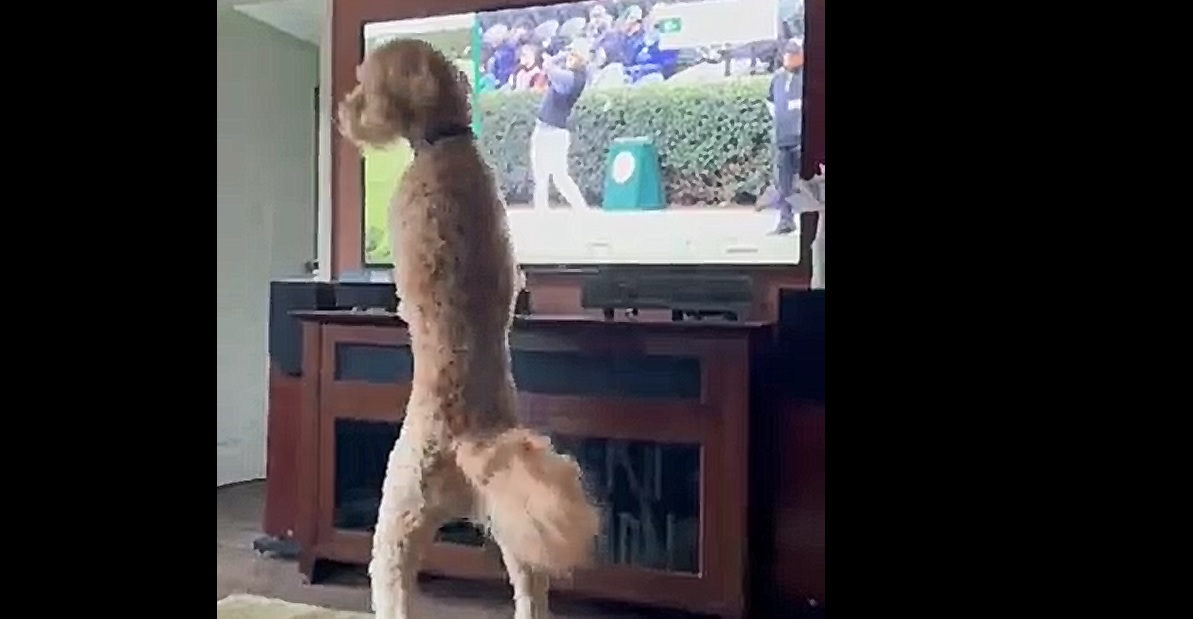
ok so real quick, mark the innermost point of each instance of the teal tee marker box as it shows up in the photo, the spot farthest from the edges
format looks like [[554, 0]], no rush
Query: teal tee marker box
[[633, 176]]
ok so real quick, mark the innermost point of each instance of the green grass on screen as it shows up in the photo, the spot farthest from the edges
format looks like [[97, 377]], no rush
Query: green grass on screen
[[383, 168]]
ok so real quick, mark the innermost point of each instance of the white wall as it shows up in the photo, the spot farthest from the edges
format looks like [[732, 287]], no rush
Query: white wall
[[265, 216], [326, 97]]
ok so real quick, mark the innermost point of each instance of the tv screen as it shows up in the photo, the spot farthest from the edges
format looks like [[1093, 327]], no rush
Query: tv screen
[[626, 132]]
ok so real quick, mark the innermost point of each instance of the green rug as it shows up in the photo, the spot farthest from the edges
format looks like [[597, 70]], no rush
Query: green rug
[[242, 606]]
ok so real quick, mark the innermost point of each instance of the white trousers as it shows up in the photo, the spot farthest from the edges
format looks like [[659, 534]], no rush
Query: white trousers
[[549, 162]]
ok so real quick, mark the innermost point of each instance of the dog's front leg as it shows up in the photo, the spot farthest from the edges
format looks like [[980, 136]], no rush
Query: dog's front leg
[[530, 588], [406, 525], [400, 308]]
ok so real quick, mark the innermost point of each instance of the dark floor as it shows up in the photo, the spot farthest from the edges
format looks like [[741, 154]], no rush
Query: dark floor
[[239, 569]]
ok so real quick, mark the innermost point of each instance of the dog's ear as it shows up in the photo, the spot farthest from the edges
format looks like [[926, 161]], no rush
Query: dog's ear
[[417, 84], [363, 122], [405, 87], [465, 83]]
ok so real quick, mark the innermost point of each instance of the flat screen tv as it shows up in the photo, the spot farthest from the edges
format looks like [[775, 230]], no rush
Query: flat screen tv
[[625, 132]]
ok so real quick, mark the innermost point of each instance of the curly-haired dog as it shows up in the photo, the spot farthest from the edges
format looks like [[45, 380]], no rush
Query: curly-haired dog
[[460, 452]]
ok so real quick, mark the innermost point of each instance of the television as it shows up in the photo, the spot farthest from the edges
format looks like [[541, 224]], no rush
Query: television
[[644, 133]]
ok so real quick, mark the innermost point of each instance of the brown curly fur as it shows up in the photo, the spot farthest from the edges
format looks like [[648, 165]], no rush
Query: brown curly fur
[[460, 452]]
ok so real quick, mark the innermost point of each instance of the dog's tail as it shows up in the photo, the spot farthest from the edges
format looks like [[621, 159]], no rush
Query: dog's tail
[[533, 496]]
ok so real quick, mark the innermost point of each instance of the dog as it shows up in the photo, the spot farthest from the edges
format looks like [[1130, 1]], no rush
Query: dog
[[461, 452]]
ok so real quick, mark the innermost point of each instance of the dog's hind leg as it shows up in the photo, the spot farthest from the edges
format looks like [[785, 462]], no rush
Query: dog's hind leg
[[530, 588], [406, 526]]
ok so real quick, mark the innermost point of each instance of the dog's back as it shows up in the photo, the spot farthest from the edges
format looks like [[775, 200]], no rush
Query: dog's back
[[452, 244], [456, 272]]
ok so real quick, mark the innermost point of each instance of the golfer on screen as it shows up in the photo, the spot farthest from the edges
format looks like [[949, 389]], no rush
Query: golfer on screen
[[566, 78]]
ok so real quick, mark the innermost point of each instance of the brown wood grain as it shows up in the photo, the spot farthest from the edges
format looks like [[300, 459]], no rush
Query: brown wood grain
[[800, 511], [307, 512], [281, 453]]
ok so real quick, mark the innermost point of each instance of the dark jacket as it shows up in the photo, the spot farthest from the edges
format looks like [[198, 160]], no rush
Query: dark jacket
[[564, 88], [789, 122]]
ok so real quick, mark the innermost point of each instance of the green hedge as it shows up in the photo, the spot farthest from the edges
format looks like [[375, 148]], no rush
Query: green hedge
[[713, 138]]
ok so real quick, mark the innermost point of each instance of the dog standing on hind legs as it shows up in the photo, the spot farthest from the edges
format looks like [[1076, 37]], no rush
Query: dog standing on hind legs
[[460, 453]]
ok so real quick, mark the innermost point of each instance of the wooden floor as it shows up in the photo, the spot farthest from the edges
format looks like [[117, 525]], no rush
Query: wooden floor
[[239, 569]]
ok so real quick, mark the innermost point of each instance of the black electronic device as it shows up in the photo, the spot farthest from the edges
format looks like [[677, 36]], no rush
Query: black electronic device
[[365, 295], [800, 350], [522, 303], [285, 331], [689, 294], [381, 295]]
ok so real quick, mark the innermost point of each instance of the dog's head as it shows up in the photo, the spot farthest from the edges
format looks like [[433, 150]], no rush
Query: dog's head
[[404, 89]]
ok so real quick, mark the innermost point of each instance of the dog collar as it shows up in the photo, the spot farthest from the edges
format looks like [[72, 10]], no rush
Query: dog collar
[[442, 133]]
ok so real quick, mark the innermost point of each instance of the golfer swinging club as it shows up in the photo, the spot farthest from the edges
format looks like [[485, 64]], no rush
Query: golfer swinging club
[[566, 78]]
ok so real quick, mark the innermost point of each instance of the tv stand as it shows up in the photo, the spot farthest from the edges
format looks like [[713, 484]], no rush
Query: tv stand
[[655, 412]]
